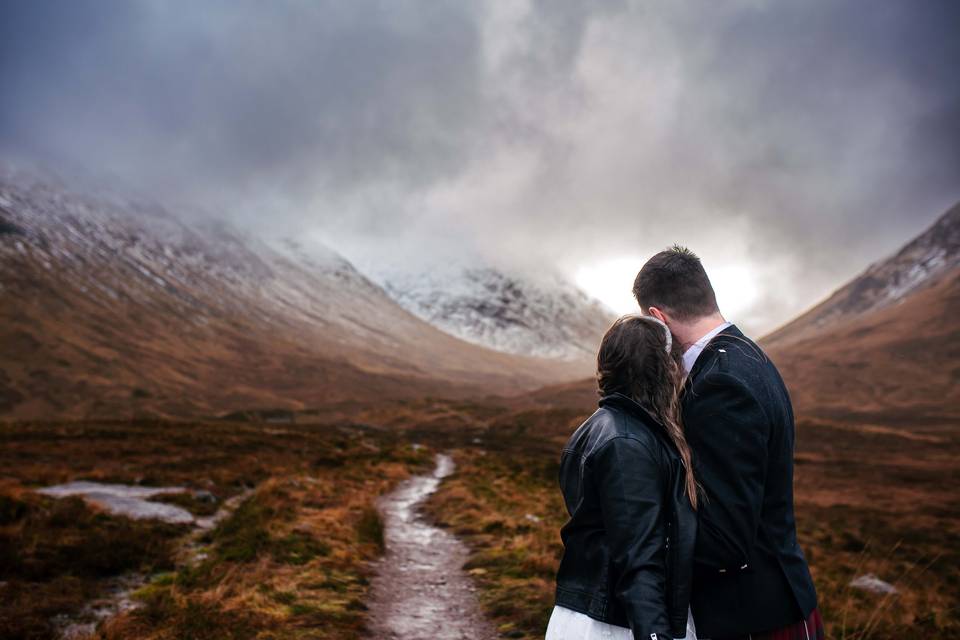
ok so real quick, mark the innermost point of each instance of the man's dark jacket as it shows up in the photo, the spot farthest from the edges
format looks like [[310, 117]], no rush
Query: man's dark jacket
[[749, 572], [628, 545]]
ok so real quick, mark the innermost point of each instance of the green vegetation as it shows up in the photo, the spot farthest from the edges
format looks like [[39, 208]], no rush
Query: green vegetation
[[54, 552], [864, 505], [370, 528], [510, 514], [191, 503], [291, 561]]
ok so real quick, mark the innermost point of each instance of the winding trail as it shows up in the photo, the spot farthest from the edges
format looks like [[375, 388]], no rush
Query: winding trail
[[420, 591]]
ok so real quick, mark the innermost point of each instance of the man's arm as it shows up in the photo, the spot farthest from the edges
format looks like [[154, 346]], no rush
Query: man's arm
[[728, 431]]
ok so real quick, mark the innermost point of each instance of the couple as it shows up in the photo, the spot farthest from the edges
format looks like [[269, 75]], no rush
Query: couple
[[680, 486]]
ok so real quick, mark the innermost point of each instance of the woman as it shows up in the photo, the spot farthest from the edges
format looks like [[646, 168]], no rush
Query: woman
[[628, 485]]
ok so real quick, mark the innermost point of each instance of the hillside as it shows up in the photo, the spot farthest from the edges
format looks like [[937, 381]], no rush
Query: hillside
[[114, 307], [886, 344], [920, 264]]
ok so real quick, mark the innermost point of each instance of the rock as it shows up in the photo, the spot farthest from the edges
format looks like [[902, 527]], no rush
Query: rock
[[205, 496], [870, 582]]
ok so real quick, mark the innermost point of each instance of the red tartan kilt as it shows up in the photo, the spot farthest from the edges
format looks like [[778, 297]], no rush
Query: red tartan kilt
[[809, 629]]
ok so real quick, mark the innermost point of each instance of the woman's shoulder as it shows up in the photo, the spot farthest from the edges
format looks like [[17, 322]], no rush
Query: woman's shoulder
[[610, 425]]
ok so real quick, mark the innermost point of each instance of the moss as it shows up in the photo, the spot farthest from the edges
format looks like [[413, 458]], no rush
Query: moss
[[298, 548], [370, 528], [163, 579], [197, 576], [284, 597], [301, 609], [65, 537], [190, 502], [242, 536], [12, 509], [206, 621]]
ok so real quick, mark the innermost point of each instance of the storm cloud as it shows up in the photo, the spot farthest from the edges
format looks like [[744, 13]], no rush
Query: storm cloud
[[797, 141]]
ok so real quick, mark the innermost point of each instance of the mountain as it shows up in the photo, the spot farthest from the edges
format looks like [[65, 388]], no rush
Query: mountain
[[546, 316], [918, 265], [111, 307], [887, 344]]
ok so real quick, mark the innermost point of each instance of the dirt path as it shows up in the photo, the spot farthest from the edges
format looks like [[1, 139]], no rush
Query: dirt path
[[420, 591]]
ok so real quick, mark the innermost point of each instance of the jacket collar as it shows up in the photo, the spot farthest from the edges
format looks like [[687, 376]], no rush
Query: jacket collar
[[635, 409], [629, 405], [708, 352]]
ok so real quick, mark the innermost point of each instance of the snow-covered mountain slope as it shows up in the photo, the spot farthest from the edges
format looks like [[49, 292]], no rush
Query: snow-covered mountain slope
[[920, 264], [112, 306], [507, 311]]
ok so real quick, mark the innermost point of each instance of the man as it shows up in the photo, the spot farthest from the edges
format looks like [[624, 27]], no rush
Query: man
[[751, 579]]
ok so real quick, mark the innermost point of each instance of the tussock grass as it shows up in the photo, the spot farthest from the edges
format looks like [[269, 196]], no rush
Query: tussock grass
[[190, 502], [862, 507], [292, 561], [54, 552], [510, 515], [280, 565]]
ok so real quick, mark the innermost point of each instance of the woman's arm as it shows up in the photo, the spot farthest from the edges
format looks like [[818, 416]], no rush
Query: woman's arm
[[628, 479]]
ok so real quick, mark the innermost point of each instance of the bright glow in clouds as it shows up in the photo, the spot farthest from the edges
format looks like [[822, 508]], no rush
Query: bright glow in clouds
[[737, 290], [611, 283]]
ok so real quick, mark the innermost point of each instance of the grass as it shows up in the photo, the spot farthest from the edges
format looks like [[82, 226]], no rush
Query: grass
[[511, 516], [53, 553], [291, 561], [867, 502], [189, 501]]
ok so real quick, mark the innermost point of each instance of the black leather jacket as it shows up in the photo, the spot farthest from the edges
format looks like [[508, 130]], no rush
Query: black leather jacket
[[628, 545]]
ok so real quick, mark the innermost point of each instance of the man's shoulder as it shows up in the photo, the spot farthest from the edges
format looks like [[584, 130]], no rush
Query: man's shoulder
[[731, 353], [734, 360]]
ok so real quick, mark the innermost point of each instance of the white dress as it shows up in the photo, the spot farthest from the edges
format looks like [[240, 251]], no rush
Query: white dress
[[567, 624]]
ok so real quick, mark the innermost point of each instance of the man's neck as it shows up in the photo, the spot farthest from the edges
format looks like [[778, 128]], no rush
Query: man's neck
[[693, 331]]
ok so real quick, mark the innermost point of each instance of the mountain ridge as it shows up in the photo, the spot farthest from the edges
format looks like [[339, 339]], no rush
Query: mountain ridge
[[505, 310], [119, 309], [886, 282]]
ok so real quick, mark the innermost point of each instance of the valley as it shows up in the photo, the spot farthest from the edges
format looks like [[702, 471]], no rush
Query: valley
[[297, 556], [289, 411]]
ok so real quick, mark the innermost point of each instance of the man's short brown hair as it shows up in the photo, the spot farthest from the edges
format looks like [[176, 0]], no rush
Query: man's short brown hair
[[675, 281]]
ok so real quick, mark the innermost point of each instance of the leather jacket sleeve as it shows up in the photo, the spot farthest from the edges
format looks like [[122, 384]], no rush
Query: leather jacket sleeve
[[728, 432], [629, 482]]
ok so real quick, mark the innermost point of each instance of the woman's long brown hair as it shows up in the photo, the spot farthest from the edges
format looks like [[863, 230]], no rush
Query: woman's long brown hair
[[633, 360]]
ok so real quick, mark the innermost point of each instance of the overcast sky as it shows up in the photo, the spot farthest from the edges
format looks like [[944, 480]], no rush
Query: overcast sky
[[789, 143]]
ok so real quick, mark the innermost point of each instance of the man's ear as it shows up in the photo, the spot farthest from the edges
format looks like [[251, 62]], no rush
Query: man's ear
[[658, 314]]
